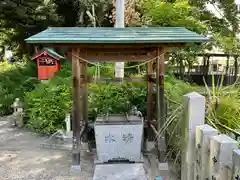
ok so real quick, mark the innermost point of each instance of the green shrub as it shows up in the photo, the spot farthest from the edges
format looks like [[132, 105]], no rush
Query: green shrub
[[48, 103], [116, 98], [223, 106], [15, 80]]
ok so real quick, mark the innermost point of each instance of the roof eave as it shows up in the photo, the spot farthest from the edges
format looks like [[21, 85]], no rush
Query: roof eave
[[113, 42]]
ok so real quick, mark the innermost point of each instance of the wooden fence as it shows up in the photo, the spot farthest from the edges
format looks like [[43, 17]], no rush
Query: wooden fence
[[206, 153]]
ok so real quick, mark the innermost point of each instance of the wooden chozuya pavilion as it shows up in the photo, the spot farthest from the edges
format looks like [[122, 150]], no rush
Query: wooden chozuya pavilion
[[115, 45]]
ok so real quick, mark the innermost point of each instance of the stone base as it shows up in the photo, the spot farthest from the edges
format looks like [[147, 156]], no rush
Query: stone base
[[120, 172], [64, 147], [163, 169], [69, 134], [75, 168], [150, 145], [85, 147], [59, 141], [97, 161]]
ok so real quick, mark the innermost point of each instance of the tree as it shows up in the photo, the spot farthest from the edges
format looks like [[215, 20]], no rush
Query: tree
[[176, 13], [74, 12], [28, 18], [172, 13]]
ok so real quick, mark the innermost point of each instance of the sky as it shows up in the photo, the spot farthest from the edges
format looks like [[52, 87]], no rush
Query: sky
[[214, 10], [218, 13]]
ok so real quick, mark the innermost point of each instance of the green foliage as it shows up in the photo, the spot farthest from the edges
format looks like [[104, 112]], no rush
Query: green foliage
[[32, 16], [223, 105], [228, 44], [174, 14], [179, 13], [116, 98], [175, 88], [28, 18], [47, 105], [15, 80]]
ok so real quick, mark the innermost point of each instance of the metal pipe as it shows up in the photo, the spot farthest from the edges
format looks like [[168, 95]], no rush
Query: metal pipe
[[120, 9]]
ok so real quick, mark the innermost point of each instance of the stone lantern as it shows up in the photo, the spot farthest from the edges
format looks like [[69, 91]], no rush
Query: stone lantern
[[17, 113]]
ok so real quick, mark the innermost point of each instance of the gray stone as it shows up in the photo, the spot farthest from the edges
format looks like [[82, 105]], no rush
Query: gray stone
[[236, 163], [119, 172], [75, 168], [203, 134], [193, 116], [221, 153], [118, 137], [163, 169]]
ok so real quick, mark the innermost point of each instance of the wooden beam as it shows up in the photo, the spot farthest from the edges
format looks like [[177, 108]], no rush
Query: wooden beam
[[118, 58], [120, 50], [116, 46], [76, 108], [125, 79], [216, 54]]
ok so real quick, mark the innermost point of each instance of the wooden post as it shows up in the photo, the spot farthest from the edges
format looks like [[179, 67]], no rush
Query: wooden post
[[221, 153], [160, 104], [76, 109], [204, 61], [203, 134], [207, 70], [208, 64], [84, 101], [235, 68], [193, 116], [227, 72], [150, 101], [182, 69], [36, 49]]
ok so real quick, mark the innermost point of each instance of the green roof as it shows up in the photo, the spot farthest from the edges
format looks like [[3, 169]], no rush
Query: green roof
[[52, 52], [117, 35]]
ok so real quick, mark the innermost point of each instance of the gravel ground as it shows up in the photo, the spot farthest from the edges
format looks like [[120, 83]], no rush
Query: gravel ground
[[21, 158]]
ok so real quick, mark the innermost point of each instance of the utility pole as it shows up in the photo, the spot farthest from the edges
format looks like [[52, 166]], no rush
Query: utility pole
[[237, 2], [120, 8]]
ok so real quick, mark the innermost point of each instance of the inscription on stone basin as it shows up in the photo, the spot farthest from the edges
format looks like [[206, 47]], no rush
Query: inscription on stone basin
[[127, 138], [114, 141]]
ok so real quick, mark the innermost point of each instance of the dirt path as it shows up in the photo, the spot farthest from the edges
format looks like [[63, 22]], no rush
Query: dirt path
[[22, 158]]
